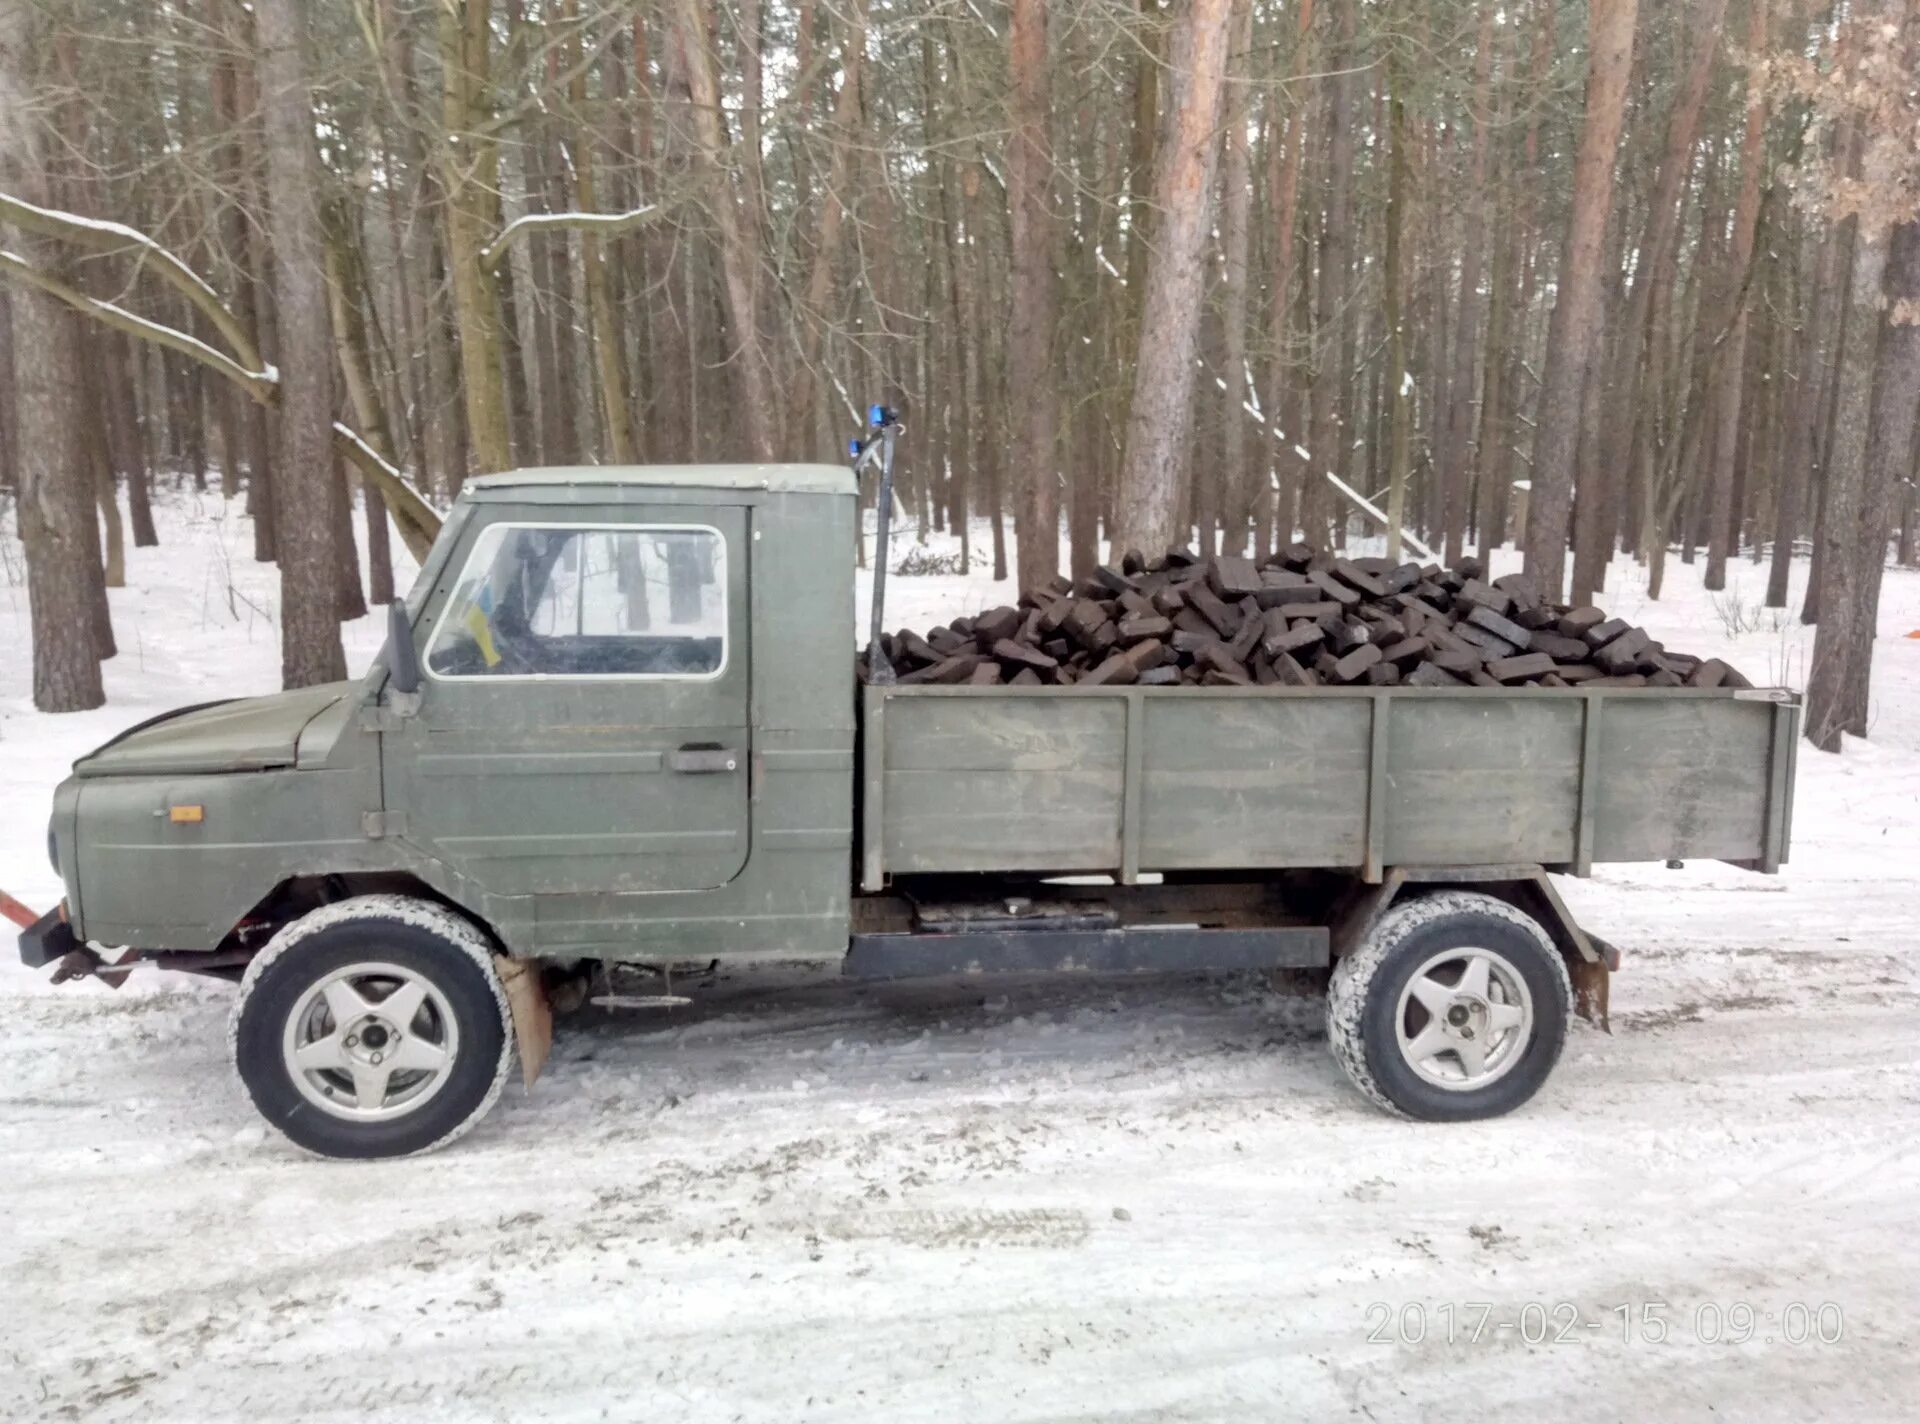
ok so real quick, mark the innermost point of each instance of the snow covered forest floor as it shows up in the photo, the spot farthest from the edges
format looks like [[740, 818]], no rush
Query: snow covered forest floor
[[1035, 1201]]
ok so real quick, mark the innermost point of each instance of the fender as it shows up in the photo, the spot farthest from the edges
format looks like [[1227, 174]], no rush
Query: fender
[[1590, 959]]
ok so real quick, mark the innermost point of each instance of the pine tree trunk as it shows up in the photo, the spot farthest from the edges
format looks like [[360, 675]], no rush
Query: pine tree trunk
[[349, 599], [1910, 509], [1490, 443], [436, 418], [1847, 490], [1399, 440], [1773, 358], [662, 435], [1889, 459], [1576, 308], [739, 235], [1142, 131], [470, 175], [960, 442], [163, 414], [812, 316], [115, 569], [310, 650], [608, 353], [561, 439], [556, 421], [1653, 273], [1803, 418], [348, 298], [1428, 303], [99, 606], [1453, 480], [98, 454], [1327, 437], [1527, 252], [1160, 418], [1733, 360], [1034, 303], [1847, 158], [1596, 517], [1238, 487], [513, 277], [236, 160], [55, 492], [1283, 185], [133, 439], [1595, 520], [989, 388], [1098, 169], [9, 482]]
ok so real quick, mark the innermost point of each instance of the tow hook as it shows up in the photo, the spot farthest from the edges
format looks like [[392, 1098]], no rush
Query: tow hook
[[84, 963]]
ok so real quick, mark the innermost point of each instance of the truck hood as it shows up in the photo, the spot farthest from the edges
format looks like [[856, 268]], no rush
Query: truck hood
[[249, 734]]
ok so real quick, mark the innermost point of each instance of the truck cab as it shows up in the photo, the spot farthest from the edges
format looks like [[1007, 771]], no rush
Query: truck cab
[[633, 734]]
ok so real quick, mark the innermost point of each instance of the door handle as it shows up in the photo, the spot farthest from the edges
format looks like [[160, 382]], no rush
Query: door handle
[[703, 760]]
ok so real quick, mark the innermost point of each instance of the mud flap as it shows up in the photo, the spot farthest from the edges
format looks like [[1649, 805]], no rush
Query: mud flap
[[1592, 979], [531, 1013]]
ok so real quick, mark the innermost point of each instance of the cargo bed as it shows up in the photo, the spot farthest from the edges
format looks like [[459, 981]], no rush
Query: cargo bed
[[1137, 780]]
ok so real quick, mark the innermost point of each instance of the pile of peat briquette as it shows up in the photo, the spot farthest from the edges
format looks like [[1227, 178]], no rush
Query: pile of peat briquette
[[1299, 618]]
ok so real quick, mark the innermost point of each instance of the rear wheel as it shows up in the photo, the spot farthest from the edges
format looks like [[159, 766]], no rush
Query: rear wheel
[[1455, 1007], [374, 1027]]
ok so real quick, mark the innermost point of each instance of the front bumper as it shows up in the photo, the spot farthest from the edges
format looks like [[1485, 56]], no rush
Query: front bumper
[[46, 941]]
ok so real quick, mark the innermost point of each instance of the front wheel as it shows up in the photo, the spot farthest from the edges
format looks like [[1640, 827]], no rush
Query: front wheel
[[373, 1027], [1454, 1008]]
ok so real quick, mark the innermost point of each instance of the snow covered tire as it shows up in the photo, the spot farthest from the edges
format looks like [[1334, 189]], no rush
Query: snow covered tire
[[373, 1027], [1368, 1006]]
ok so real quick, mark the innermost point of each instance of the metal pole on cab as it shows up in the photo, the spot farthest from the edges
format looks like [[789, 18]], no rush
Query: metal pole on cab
[[883, 429]]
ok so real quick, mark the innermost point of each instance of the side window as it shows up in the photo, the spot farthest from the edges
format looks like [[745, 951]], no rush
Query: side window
[[569, 601]]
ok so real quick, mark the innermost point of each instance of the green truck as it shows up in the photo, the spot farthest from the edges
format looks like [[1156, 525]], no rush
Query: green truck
[[617, 722]]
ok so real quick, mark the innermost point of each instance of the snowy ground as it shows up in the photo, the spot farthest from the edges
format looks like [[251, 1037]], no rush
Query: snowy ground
[[1153, 1200]]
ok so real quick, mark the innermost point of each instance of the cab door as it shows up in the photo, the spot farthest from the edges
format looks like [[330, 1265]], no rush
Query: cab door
[[583, 722]]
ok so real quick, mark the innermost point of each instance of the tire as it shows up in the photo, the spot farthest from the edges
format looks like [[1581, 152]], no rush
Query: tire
[[320, 1017], [1420, 1062]]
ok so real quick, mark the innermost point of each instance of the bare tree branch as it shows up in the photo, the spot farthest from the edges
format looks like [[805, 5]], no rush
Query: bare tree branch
[[118, 237], [258, 384], [418, 522], [602, 224]]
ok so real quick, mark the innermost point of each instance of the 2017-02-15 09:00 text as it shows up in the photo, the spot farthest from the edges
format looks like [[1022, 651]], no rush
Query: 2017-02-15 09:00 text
[[1651, 1322]]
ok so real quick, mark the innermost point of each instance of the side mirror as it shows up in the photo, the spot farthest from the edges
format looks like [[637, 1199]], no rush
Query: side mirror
[[403, 660]]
